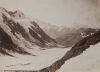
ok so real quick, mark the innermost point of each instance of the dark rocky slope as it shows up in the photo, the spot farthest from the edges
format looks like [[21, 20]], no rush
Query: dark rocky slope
[[7, 45]]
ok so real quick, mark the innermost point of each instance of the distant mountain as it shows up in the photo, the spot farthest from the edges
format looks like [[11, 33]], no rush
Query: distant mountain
[[53, 30], [66, 36], [75, 35], [18, 33]]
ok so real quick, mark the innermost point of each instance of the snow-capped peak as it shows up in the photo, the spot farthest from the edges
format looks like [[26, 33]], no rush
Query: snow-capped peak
[[17, 14], [2, 9]]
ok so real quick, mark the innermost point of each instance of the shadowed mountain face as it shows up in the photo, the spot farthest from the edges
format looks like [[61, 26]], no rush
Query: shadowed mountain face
[[7, 45], [17, 34]]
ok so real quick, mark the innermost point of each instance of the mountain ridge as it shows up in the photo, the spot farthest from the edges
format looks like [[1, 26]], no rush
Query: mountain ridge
[[19, 35]]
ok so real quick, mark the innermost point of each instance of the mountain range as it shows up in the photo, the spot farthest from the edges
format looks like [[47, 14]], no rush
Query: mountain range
[[18, 33], [66, 36]]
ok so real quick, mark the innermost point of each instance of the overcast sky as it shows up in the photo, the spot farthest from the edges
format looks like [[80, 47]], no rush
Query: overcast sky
[[72, 13]]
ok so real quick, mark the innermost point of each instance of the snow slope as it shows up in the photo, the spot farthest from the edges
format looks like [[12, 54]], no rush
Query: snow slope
[[88, 61], [43, 58]]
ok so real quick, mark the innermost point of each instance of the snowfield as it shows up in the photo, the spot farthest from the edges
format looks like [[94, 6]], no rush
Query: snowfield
[[88, 61], [42, 59]]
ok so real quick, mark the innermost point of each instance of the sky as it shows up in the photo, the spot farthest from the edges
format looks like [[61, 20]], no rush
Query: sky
[[70, 13]]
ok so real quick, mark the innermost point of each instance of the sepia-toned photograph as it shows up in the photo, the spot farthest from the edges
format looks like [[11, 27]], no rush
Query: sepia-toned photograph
[[49, 35]]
